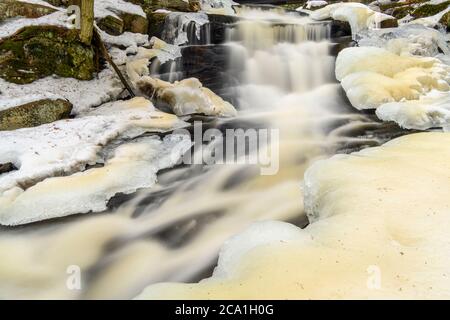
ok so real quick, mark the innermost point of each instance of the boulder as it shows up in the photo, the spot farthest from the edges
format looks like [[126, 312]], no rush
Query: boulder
[[14, 8], [389, 23], [156, 22], [34, 114], [116, 25], [35, 52]]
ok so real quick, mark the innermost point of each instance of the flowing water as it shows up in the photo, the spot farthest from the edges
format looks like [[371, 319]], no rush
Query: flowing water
[[172, 232]]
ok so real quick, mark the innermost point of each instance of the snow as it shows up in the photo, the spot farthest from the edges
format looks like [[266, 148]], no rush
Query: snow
[[82, 94], [224, 7], [430, 111], [379, 230], [315, 3], [103, 8], [58, 18], [66, 146], [132, 166], [359, 16], [372, 77], [186, 97]]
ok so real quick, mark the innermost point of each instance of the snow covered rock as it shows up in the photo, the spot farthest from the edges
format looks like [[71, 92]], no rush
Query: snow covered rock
[[130, 167], [359, 16], [15, 8], [65, 147], [408, 89], [186, 97]]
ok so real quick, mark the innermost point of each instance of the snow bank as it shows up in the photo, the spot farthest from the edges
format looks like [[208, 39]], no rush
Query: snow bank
[[133, 166], [82, 94], [67, 146], [358, 15], [379, 230], [372, 77]]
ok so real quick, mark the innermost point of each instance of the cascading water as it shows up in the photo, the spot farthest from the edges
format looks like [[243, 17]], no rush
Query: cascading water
[[173, 231]]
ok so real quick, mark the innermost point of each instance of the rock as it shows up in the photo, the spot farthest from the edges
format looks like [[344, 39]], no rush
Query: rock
[[134, 23], [445, 20], [429, 9], [34, 114], [116, 25], [14, 8], [35, 52], [111, 25], [218, 24], [389, 23], [149, 6], [340, 29], [156, 24], [7, 167]]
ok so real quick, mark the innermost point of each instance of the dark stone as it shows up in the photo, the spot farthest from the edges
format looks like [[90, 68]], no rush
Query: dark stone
[[218, 24], [156, 24], [340, 29], [7, 167]]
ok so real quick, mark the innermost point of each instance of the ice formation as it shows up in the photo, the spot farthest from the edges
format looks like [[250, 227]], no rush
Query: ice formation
[[186, 97], [68, 146], [134, 165], [315, 3], [375, 77], [177, 23], [358, 15], [103, 8], [379, 229], [218, 6]]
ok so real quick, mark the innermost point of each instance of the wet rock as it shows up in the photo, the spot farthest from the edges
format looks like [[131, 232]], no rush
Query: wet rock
[[14, 8], [340, 29], [35, 52], [34, 114], [389, 23], [210, 65], [156, 24], [111, 25], [218, 24], [7, 167]]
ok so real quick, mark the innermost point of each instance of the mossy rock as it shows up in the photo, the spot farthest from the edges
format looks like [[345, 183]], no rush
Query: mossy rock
[[34, 114], [445, 20], [14, 8], [35, 52], [428, 10], [116, 25], [389, 23]]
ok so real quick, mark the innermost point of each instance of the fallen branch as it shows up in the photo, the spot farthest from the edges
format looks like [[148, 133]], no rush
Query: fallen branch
[[106, 55]]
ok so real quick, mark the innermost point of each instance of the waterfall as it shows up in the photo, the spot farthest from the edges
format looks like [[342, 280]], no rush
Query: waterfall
[[173, 231]]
